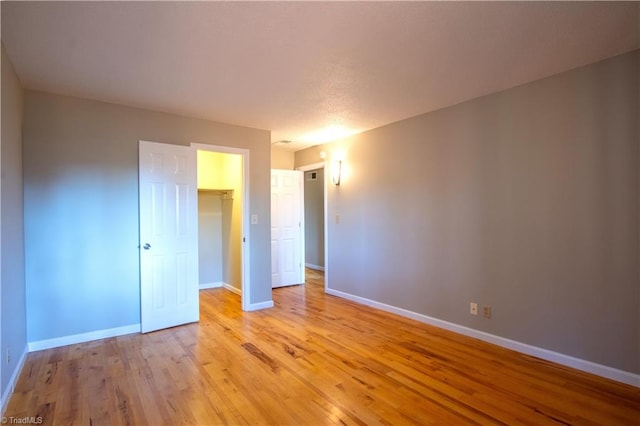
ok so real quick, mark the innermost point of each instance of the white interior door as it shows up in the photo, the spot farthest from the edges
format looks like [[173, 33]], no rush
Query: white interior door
[[168, 236], [287, 241]]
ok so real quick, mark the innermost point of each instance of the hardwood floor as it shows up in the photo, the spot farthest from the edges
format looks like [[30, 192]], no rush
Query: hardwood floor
[[312, 359]]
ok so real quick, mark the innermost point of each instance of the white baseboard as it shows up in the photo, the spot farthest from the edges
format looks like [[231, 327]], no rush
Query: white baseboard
[[221, 284], [258, 306], [83, 337], [232, 288], [211, 285], [569, 361], [11, 385], [312, 266]]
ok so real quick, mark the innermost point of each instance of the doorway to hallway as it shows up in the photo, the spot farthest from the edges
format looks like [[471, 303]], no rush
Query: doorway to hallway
[[315, 190]]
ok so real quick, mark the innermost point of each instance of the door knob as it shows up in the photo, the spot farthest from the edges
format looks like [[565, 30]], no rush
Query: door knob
[[147, 246]]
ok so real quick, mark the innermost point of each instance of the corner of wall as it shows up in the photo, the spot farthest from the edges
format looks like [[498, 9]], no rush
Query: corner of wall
[[282, 159], [309, 155], [13, 337], [13, 380]]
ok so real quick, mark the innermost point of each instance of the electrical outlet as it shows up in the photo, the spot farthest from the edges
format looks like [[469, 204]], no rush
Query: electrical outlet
[[8, 356], [473, 308], [337, 219], [486, 311]]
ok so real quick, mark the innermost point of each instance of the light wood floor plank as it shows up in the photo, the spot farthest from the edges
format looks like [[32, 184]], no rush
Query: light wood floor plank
[[313, 359]]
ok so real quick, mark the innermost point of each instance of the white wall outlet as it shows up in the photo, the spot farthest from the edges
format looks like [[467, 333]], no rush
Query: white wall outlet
[[8, 356], [486, 311], [254, 219], [473, 308], [337, 218]]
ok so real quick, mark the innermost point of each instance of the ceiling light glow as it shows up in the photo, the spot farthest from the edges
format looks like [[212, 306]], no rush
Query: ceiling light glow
[[328, 134]]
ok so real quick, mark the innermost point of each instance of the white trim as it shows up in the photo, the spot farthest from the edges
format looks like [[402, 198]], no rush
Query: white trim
[[221, 284], [326, 229], [312, 266], [232, 288], [83, 337], [219, 148], [246, 219], [566, 360], [301, 225], [261, 305], [11, 385], [211, 285]]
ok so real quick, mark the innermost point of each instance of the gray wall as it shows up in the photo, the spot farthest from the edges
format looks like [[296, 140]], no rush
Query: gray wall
[[13, 318], [314, 219], [525, 200], [81, 208], [209, 237]]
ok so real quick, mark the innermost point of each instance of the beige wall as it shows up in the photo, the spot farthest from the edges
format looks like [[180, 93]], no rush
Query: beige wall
[[13, 325], [81, 208], [281, 159], [310, 155], [525, 200]]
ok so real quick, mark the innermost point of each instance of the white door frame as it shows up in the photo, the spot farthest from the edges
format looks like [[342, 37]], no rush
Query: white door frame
[[315, 166], [246, 218]]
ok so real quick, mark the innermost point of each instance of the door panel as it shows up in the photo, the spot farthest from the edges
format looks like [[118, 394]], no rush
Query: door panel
[[287, 242], [168, 236]]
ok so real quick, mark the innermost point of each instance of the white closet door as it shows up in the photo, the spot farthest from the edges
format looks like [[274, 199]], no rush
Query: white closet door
[[287, 243], [168, 236]]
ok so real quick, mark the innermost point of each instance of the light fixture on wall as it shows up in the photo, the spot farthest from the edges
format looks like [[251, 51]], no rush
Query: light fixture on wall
[[336, 172]]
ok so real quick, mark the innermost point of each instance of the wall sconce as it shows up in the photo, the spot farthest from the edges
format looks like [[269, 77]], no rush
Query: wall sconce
[[336, 172]]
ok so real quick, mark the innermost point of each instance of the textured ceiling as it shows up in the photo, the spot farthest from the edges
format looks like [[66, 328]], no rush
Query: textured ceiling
[[308, 71]]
